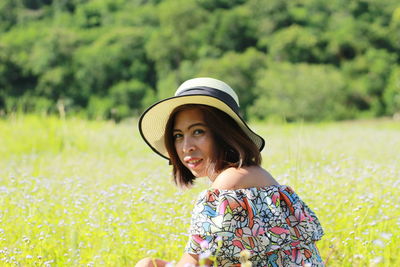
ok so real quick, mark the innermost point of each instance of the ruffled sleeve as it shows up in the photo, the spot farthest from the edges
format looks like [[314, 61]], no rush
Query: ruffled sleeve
[[261, 220]]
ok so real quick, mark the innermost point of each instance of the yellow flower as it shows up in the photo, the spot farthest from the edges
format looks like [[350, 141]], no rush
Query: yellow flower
[[244, 258]]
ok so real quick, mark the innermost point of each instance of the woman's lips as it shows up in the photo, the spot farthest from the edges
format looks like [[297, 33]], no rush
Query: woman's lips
[[192, 163]]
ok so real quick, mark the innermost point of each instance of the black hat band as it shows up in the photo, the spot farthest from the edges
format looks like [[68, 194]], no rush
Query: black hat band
[[209, 91]]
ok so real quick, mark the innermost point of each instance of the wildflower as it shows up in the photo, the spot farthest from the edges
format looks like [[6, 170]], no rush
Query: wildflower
[[379, 243], [244, 258], [48, 263], [219, 242], [205, 255], [204, 244], [245, 254], [386, 235], [377, 260]]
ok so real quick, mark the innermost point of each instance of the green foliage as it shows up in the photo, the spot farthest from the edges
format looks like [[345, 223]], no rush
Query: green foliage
[[97, 13], [215, 4], [99, 107], [28, 104], [294, 44], [166, 86], [8, 14], [344, 39], [300, 92], [394, 29], [117, 55], [127, 98], [176, 39], [131, 97], [367, 77], [240, 70], [232, 29], [79, 51], [392, 92]]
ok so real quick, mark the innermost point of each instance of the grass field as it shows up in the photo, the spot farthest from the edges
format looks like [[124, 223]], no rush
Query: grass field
[[79, 193]]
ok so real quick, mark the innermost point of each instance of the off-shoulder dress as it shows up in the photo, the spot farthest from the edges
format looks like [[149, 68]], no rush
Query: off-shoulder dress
[[272, 223]]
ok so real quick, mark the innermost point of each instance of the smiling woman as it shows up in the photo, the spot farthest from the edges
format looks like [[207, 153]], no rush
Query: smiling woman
[[222, 151], [193, 142], [202, 134]]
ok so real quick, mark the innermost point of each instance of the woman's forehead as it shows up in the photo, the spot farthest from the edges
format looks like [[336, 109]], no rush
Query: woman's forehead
[[187, 117]]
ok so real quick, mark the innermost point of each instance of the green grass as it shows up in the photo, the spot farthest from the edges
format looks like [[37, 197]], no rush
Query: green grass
[[79, 193]]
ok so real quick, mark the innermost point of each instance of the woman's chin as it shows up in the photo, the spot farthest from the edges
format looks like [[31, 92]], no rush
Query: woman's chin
[[198, 175]]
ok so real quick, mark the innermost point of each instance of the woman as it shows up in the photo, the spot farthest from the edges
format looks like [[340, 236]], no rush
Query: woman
[[201, 133]]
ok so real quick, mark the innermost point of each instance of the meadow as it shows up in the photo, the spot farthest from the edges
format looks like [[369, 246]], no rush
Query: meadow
[[91, 193]]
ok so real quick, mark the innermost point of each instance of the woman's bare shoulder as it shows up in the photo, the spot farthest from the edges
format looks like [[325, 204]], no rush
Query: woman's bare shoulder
[[245, 177]]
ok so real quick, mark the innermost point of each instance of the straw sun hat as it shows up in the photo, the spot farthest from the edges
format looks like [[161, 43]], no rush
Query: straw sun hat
[[204, 91]]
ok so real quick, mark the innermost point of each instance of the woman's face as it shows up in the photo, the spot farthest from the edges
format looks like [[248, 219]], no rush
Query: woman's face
[[193, 141]]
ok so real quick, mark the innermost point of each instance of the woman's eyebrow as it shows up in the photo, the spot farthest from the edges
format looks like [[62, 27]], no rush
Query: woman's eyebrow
[[190, 126], [196, 124]]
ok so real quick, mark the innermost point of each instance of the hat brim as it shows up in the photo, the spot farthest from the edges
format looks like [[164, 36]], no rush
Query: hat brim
[[153, 121]]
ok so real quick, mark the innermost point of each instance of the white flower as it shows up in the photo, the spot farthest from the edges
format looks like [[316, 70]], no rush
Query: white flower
[[205, 255], [204, 244], [377, 260], [379, 243]]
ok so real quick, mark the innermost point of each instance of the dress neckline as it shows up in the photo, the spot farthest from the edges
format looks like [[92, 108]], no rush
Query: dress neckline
[[257, 188]]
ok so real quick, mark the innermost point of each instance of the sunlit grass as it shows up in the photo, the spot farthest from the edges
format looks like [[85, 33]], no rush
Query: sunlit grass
[[74, 192]]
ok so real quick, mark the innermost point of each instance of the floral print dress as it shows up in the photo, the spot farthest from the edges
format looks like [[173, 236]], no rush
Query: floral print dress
[[272, 223]]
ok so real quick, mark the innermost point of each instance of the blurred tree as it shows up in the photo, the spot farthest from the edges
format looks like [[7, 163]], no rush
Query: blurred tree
[[117, 55], [166, 85], [35, 4], [215, 4], [367, 77], [302, 91], [77, 51], [127, 98], [392, 93], [99, 108], [51, 61], [130, 98], [176, 39], [96, 13], [146, 17], [8, 14], [294, 44], [67, 5], [344, 39], [270, 15], [238, 70], [394, 30], [16, 76], [232, 29]]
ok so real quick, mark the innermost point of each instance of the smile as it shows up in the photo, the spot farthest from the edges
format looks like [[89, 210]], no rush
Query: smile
[[193, 163]]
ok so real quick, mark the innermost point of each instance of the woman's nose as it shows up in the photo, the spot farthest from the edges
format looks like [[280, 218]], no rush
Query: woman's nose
[[188, 145]]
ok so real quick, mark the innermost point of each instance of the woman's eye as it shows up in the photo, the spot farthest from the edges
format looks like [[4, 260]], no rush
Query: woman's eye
[[198, 131], [177, 136]]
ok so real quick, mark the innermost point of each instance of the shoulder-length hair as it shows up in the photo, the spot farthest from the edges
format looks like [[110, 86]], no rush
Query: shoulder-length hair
[[233, 148]]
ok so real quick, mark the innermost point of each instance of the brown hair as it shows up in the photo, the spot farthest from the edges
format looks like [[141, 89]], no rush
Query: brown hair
[[232, 150]]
